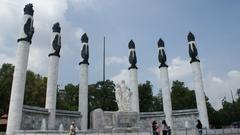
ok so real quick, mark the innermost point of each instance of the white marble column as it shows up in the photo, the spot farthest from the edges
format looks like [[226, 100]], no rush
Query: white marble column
[[164, 84], [198, 82], [51, 95], [133, 78], [133, 85], [166, 95], [200, 96], [83, 84], [19, 76]]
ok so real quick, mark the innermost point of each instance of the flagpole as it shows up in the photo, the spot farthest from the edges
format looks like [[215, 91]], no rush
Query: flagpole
[[104, 58]]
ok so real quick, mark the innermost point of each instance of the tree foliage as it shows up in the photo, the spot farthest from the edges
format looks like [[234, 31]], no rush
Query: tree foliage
[[102, 95], [6, 76], [182, 97]]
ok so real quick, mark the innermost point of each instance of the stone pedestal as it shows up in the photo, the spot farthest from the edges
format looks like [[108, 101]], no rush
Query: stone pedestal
[[166, 95], [126, 119], [96, 119], [199, 92], [83, 95]]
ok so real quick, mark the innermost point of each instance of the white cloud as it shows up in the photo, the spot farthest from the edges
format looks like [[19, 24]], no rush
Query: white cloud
[[178, 69], [117, 60], [216, 80], [123, 75], [216, 88]]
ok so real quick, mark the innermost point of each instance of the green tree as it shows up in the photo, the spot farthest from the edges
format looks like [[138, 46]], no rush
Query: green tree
[[157, 104], [102, 95], [182, 97], [145, 97], [67, 99], [6, 77], [35, 88]]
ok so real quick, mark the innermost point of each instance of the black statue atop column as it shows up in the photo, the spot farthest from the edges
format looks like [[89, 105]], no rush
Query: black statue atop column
[[85, 49], [193, 53], [161, 54], [28, 26], [132, 55], [56, 43]]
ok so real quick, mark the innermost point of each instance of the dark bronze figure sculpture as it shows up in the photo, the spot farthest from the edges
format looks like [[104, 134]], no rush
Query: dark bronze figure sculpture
[[28, 26], [132, 55], [161, 54], [56, 43], [85, 49], [192, 49]]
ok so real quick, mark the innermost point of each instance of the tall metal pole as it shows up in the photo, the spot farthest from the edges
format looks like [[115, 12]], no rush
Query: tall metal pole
[[104, 59], [232, 97]]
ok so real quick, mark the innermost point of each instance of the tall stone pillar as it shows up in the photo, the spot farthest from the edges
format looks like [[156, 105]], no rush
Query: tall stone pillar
[[198, 82], [83, 85], [51, 95], [164, 82], [19, 76], [133, 79]]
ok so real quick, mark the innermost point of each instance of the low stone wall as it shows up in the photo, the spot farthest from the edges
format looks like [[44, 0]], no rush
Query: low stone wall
[[32, 117], [107, 119], [66, 118], [36, 118]]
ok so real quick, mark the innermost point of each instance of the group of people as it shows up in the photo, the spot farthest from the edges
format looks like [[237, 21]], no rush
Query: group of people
[[166, 130]]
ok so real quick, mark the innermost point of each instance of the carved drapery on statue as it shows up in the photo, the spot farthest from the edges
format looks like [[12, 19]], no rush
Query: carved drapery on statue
[[193, 53], [85, 49], [56, 43], [162, 58], [28, 24], [132, 55], [123, 97]]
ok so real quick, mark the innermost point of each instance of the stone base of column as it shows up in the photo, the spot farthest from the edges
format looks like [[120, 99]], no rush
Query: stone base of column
[[133, 85], [83, 96]]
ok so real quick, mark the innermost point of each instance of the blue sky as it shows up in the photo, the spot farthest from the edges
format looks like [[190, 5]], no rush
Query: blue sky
[[214, 23]]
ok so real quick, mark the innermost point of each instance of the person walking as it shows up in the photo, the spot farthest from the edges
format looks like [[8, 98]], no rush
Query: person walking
[[164, 127], [155, 128], [199, 127]]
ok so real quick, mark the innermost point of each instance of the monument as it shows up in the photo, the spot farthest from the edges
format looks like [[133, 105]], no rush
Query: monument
[[198, 82], [19, 76], [83, 84], [128, 117], [51, 95], [164, 83]]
